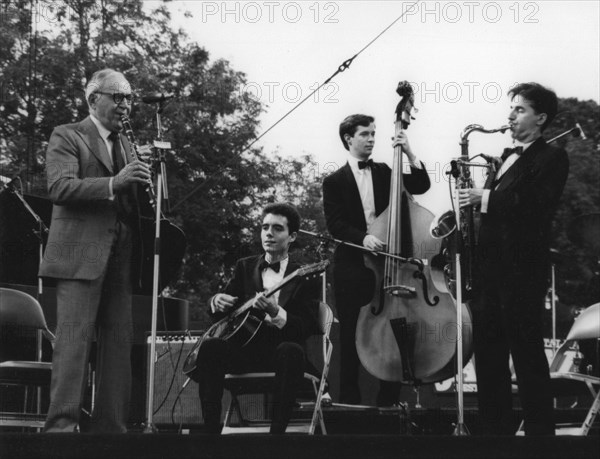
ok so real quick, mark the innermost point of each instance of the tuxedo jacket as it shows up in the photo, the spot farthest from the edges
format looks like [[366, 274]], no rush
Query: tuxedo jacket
[[514, 237], [300, 298], [82, 229], [344, 212]]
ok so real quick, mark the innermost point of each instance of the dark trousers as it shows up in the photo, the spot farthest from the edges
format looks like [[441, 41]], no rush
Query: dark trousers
[[350, 295], [217, 357], [86, 309], [507, 320]]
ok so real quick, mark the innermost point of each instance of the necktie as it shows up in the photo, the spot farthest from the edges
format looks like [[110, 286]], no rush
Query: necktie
[[363, 164], [509, 151], [124, 200], [117, 155], [265, 264]]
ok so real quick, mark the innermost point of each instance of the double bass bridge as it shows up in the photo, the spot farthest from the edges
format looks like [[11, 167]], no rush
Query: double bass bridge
[[401, 291]]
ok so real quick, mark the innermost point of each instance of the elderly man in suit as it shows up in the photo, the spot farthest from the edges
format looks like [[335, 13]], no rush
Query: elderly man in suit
[[517, 207], [353, 197], [290, 316], [91, 181]]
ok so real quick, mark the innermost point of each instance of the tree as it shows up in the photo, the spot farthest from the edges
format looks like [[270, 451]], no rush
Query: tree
[[578, 273], [216, 184]]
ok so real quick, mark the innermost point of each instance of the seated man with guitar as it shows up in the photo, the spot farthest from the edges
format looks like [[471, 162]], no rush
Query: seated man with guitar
[[277, 322]]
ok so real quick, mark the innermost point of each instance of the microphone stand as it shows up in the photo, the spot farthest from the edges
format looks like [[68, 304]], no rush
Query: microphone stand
[[461, 428], [161, 190], [414, 261]]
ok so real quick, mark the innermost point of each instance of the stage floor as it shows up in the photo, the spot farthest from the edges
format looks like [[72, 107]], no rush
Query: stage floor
[[164, 446], [352, 433]]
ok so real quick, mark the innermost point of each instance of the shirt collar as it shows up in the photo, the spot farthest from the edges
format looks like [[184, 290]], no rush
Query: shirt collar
[[525, 146], [282, 261], [354, 164], [104, 133]]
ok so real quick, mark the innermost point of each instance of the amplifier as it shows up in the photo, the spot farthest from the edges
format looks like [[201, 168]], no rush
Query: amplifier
[[175, 405]]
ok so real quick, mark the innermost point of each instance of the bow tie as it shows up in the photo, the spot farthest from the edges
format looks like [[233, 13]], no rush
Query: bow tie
[[265, 264], [509, 151], [363, 164]]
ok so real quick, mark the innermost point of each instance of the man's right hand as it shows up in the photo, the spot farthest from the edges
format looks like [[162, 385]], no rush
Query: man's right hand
[[372, 243], [134, 172], [223, 302]]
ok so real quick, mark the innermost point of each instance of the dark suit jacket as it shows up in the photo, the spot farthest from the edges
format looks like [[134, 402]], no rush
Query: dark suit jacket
[[299, 297], [82, 230], [344, 211], [514, 236]]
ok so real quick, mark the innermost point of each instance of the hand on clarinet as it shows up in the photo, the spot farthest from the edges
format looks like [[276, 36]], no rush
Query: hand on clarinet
[[134, 172]]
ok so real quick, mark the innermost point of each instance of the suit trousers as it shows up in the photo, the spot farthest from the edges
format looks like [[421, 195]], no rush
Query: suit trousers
[[507, 320], [216, 357], [350, 295], [99, 308]]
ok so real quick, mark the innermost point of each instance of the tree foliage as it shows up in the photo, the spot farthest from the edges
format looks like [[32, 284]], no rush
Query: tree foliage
[[216, 185], [577, 273]]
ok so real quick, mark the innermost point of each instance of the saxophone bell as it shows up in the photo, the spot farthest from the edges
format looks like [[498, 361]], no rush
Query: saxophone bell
[[443, 225]]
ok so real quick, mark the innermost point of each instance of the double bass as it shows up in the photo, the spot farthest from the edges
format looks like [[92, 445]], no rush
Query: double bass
[[408, 332]]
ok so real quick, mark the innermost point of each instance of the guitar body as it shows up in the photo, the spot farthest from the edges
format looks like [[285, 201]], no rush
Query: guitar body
[[239, 329]]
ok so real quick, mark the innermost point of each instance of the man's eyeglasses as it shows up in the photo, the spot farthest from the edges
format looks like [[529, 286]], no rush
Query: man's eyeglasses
[[118, 97]]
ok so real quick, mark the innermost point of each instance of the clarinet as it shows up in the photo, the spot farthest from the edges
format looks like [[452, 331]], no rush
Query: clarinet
[[136, 155]]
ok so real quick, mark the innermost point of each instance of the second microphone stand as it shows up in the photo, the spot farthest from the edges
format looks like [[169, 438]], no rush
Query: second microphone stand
[[161, 190]]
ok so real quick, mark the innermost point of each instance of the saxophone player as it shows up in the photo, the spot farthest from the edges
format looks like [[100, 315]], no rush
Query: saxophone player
[[517, 207], [91, 180]]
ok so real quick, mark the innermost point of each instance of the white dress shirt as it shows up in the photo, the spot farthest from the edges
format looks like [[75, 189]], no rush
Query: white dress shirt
[[270, 279], [104, 133], [506, 165], [364, 181]]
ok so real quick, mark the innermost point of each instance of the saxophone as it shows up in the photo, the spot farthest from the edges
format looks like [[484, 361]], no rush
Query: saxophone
[[136, 155], [445, 225]]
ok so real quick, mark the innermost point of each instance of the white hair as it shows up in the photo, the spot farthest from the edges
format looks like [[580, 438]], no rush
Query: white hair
[[96, 81]]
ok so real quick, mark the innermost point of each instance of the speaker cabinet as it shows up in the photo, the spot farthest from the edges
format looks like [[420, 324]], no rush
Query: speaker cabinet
[[174, 405]]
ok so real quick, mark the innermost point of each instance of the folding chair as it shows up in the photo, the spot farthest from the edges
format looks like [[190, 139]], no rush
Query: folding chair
[[306, 417], [22, 313], [566, 382]]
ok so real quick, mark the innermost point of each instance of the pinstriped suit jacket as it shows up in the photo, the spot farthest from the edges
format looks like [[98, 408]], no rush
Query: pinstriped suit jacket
[[82, 229]]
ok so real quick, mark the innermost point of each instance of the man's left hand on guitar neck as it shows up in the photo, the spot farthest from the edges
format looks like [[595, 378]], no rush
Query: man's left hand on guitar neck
[[268, 305], [276, 315]]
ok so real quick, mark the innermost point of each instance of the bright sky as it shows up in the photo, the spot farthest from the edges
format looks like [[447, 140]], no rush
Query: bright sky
[[461, 58]]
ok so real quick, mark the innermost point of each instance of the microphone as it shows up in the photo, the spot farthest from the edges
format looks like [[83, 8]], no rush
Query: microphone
[[156, 97], [454, 172], [494, 161], [583, 137]]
